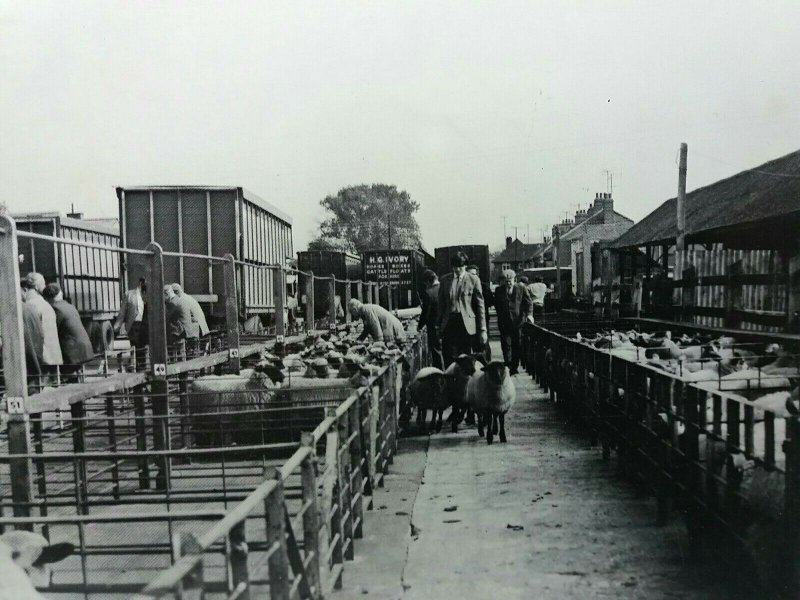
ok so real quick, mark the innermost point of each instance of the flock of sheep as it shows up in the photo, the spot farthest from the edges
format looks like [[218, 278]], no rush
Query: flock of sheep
[[332, 360], [762, 376], [467, 384]]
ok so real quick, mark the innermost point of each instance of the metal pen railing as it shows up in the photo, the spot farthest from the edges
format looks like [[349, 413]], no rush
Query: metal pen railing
[[712, 451]]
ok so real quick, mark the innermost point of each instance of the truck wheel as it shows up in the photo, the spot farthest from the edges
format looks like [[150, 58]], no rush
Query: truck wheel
[[102, 336]]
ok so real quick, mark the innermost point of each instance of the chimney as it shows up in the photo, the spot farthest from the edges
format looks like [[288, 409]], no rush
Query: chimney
[[580, 216], [604, 202], [73, 214], [508, 242]]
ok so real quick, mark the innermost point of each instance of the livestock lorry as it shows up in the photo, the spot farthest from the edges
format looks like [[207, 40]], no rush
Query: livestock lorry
[[208, 221], [477, 255], [342, 265], [89, 277]]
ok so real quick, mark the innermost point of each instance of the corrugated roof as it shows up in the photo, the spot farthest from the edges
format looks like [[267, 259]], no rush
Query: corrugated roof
[[769, 190], [599, 231]]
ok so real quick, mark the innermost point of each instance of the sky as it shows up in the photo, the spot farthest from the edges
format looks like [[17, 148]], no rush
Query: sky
[[480, 110]]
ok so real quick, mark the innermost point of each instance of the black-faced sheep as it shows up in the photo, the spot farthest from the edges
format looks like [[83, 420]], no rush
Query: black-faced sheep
[[427, 391], [491, 393], [24, 559], [456, 377], [212, 396]]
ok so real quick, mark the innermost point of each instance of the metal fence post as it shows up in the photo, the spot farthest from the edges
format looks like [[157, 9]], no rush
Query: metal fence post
[[373, 451], [336, 529], [311, 529], [276, 534], [156, 315], [356, 454], [348, 294], [360, 290], [279, 296], [191, 586], [231, 313], [239, 572], [332, 302], [345, 487], [14, 368], [792, 498], [310, 317]]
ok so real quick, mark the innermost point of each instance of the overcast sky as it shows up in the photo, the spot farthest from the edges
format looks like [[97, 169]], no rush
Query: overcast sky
[[478, 109]]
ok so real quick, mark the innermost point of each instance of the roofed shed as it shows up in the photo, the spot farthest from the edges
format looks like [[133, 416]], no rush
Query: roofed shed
[[741, 266]]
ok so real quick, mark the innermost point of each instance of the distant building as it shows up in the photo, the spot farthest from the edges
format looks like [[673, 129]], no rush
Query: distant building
[[516, 255], [597, 224]]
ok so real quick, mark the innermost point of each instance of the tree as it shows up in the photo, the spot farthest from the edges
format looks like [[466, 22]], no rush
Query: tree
[[323, 244], [369, 217]]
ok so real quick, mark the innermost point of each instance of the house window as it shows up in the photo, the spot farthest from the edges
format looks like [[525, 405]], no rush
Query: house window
[[506, 266]]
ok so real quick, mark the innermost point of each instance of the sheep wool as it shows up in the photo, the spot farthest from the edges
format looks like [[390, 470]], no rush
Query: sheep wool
[[492, 389], [426, 391]]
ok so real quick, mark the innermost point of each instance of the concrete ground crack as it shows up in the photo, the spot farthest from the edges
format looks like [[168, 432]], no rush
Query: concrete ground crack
[[413, 530]]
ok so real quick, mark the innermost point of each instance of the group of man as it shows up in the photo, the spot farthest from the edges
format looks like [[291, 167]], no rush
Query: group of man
[[184, 318], [455, 312], [56, 342]]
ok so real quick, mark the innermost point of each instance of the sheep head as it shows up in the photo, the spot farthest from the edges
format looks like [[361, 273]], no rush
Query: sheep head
[[360, 378], [273, 372], [466, 364], [32, 552], [496, 372]]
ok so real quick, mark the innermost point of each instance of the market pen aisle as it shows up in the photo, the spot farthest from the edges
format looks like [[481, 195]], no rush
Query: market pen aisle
[[541, 516]]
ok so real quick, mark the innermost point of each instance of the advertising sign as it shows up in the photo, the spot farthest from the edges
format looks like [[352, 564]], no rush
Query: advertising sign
[[389, 267]]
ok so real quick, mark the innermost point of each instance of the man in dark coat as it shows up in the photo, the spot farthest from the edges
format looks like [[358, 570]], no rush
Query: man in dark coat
[[512, 301], [33, 337], [76, 347], [430, 317], [462, 314]]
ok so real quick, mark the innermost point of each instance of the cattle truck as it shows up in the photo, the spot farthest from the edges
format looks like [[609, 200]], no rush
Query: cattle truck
[[89, 277], [208, 221], [477, 255], [402, 269], [341, 265]]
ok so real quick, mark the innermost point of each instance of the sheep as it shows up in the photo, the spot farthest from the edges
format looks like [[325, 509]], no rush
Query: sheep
[[293, 363], [427, 391], [351, 364], [319, 368], [24, 556], [211, 396], [492, 394], [456, 377]]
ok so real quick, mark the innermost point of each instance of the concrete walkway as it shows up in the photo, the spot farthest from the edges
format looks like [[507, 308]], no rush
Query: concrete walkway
[[541, 516]]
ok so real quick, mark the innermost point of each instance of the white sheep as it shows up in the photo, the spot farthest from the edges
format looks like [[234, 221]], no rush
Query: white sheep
[[211, 396], [491, 393], [427, 391], [23, 555]]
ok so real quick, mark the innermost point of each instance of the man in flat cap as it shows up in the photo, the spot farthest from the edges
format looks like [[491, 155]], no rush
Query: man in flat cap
[[379, 323], [512, 301]]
